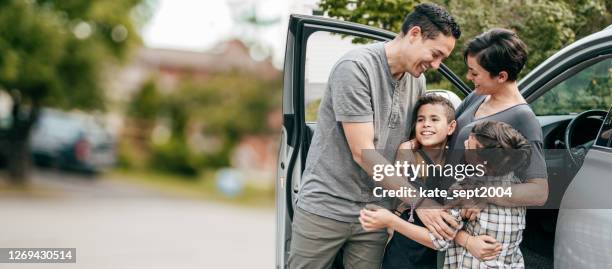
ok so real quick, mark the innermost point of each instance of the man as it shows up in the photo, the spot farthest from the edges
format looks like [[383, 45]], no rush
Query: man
[[367, 106]]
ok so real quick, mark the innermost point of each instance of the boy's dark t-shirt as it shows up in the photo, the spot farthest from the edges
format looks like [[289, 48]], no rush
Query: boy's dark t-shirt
[[404, 253]]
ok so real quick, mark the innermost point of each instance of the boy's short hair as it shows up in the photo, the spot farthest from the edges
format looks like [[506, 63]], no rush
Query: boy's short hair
[[433, 20], [432, 99], [498, 50]]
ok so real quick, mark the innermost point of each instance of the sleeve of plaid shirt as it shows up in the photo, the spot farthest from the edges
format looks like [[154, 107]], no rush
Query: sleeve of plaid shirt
[[443, 244]]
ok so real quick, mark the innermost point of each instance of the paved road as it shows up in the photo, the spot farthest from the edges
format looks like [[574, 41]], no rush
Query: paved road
[[115, 225]]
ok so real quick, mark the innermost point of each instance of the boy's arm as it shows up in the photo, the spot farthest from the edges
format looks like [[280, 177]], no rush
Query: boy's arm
[[360, 138], [379, 218], [417, 233]]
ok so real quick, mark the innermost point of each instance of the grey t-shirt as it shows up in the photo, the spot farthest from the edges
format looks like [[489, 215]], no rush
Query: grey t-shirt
[[360, 89], [520, 117]]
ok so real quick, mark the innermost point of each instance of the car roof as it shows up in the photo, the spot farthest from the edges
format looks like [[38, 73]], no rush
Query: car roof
[[586, 48]]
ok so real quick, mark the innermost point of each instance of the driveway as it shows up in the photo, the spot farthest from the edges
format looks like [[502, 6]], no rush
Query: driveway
[[118, 225]]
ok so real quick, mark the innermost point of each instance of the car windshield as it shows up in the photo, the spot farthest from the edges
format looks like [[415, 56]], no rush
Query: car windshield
[[60, 125], [590, 88]]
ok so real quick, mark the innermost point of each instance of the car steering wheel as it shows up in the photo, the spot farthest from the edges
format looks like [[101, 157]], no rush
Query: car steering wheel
[[577, 153]]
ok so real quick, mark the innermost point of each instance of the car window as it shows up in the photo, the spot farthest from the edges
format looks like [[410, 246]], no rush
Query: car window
[[604, 138], [323, 50], [60, 126], [591, 88]]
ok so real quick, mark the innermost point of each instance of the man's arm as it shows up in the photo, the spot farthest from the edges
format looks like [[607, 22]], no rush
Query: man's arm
[[360, 138]]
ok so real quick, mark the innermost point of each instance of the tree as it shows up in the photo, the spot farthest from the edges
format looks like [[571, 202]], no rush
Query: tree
[[223, 107], [229, 106], [545, 26], [52, 53]]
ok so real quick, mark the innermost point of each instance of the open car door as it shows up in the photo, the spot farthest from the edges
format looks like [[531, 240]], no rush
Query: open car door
[[583, 227], [314, 44]]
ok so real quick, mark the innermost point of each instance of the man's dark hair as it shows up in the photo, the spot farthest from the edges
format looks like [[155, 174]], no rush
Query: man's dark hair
[[498, 50], [433, 20]]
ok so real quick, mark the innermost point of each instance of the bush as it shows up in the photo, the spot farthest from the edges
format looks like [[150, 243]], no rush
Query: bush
[[174, 157]]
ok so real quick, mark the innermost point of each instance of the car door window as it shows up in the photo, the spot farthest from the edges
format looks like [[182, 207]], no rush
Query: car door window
[[323, 50], [590, 88]]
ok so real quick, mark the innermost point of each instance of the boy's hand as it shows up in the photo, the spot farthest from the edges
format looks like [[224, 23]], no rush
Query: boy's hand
[[438, 222], [470, 208], [410, 144], [374, 219], [483, 247]]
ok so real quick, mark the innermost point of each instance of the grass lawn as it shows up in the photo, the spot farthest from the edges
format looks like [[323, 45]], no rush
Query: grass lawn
[[202, 187]]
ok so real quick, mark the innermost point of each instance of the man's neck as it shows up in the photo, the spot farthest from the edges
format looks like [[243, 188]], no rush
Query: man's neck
[[393, 59]]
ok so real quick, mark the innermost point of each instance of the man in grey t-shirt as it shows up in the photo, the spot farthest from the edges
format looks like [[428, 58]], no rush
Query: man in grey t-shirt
[[367, 105]]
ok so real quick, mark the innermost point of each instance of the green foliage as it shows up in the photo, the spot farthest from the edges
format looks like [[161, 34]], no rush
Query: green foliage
[[226, 106], [144, 105], [385, 14], [53, 52], [175, 157], [545, 26], [591, 88], [229, 105]]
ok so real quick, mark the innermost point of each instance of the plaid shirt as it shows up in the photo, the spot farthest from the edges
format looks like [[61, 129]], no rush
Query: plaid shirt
[[505, 224]]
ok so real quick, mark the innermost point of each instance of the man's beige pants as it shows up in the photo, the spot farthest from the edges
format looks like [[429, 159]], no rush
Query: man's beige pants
[[316, 241]]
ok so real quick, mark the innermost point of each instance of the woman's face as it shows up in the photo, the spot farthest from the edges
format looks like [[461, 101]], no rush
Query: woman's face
[[432, 127], [484, 84]]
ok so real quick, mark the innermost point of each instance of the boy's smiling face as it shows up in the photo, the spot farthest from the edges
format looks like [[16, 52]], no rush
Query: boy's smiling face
[[432, 126]]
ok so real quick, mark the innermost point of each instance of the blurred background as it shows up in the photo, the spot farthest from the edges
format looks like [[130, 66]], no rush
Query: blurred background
[[144, 132]]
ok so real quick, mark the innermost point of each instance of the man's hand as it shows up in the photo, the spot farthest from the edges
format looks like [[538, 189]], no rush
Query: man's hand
[[438, 222], [483, 247]]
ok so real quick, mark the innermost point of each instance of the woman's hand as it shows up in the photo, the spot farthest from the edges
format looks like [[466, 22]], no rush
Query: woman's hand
[[483, 247], [374, 219]]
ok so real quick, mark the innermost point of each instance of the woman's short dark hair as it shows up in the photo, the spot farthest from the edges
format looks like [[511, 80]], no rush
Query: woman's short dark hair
[[433, 20], [498, 50]]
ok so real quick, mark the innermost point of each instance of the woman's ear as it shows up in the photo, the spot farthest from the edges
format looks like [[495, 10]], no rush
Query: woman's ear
[[502, 77], [451, 127]]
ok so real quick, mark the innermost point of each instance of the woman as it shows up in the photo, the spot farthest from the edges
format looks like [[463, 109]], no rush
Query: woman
[[494, 60]]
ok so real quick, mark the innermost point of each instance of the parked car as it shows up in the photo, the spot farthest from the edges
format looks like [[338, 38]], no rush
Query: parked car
[[71, 142], [571, 94]]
